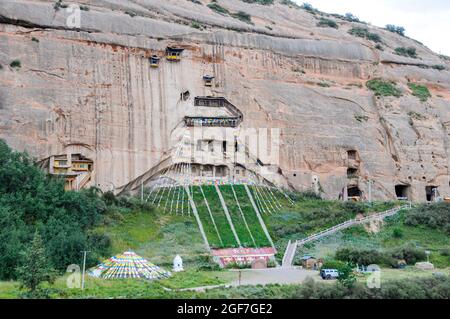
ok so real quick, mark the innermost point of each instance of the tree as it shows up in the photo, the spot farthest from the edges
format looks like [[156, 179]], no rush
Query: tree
[[396, 29], [36, 269], [346, 276]]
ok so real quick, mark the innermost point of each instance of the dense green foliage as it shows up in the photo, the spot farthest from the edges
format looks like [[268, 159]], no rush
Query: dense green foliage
[[15, 64], [324, 22], [439, 67], [383, 88], [389, 258], [243, 16], [365, 33], [420, 91], [218, 8], [30, 201], [396, 29], [36, 268], [435, 216], [407, 52]]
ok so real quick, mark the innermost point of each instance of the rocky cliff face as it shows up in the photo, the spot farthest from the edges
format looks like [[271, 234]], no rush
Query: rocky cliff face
[[90, 89]]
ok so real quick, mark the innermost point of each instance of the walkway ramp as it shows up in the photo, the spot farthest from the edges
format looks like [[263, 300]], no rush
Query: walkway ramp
[[289, 256]]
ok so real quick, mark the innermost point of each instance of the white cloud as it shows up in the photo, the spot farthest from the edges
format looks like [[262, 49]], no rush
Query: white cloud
[[426, 21]]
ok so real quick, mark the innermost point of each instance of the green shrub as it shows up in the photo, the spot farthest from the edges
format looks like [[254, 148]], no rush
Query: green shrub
[[59, 5], [409, 253], [323, 22], [439, 67], [379, 47], [420, 91], [351, 18], [84, 8], [396, 29], [397, 233], [435, 216], [131, 13], [360, 257], [195, 25], [383, 88], [243, 16], [333, 264], [361, 118], [218, 8], [407, 52], [15, 64], [34, 39], [364, 33]]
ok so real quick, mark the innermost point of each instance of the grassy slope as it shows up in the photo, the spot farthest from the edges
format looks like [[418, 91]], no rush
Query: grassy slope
[[252, 219], [207, 223], [220, 219], [157, 236], [238, 222]]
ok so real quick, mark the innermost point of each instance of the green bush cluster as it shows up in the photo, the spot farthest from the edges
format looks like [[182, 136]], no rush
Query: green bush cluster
[[439, 67], [366, 257], [218, 8], [420, 91], [435, 216], [396, 29], [365, 33], [15, 64], [324, 22], [383, 88], [407, 52], [243, 16]]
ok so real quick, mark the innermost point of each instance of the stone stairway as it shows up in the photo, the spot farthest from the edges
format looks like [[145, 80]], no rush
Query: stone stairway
[[292, 247]]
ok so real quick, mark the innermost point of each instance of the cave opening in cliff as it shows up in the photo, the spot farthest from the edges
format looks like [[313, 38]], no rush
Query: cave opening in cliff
[[352, 173], [354, 191], [402, 192], [352, 154], [184, 96], [431, 193]]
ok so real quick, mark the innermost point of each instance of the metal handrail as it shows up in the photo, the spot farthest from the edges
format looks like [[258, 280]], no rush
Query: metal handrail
[[351, 222]]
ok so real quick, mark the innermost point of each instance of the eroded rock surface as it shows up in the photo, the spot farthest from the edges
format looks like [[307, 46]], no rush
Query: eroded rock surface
[[91, 90]]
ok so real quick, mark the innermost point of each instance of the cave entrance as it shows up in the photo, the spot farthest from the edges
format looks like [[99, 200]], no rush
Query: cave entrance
[[352, 173], [352, 154], [402, 192], [354, 193], [431, 192]]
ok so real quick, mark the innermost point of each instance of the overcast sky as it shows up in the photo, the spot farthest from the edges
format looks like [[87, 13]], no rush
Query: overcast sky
[[425, 20]]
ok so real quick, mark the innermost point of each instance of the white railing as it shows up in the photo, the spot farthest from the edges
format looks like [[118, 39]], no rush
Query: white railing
[[349, 223], [289, 256]]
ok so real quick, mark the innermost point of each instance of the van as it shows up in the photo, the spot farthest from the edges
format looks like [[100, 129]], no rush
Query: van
[[329, 274]]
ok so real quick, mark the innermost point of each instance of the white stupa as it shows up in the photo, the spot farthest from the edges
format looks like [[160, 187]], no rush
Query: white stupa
[[177, 264]]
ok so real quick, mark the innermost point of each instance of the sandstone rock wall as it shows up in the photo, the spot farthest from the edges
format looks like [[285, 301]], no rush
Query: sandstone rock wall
[[91, 90]]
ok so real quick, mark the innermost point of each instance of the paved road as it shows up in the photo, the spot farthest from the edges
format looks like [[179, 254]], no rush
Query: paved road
[[280, 276]]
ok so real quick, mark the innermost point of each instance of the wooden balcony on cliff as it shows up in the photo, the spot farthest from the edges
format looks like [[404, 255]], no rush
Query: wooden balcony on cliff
[[173, 54], [214, 112], [154, 61]]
